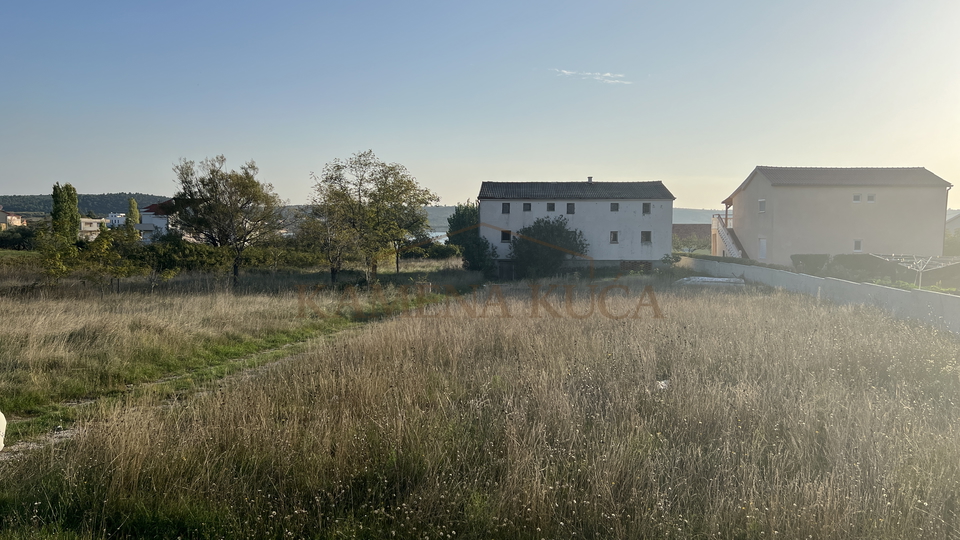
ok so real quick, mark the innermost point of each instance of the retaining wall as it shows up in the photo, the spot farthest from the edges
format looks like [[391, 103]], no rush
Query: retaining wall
[[937, 309]]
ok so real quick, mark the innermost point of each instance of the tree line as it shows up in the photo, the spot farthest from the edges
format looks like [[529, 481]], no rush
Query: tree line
[[364, 213], [96, 204]]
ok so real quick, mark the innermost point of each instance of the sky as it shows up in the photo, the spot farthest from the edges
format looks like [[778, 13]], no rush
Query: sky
[[108, 95]]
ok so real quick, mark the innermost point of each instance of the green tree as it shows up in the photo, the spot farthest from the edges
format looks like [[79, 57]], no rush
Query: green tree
[[691, 243], [229, 209], [108, 256], [59, 255], [539, 250], [325, 227], [133, 217], [18, 238], [65, 213], [464, 232], [380, 204]]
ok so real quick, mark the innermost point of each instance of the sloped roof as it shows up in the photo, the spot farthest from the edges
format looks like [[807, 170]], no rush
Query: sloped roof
[[844, 176], [574, 190], [158, 209]]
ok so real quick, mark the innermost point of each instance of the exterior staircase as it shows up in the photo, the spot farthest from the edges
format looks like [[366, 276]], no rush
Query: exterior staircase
[[731, 244]]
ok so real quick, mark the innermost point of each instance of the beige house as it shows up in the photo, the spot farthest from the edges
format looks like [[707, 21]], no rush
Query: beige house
[[90, 228], [782, 211], [8, 219]]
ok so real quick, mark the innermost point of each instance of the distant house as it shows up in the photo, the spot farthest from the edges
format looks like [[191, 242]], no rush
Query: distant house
[[624, 223], [953, 224], [90, 228], [116, 219], [782, 211], [154, 220], [9, 219]]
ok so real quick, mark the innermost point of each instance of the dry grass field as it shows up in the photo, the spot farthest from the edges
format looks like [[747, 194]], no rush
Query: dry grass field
[[76, 342], [738, 414]]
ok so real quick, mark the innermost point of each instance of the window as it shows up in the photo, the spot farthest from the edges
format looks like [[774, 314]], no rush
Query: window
[[646, 208], [614, 237], [857, 246], [646, 237], [505, 237], [505, 208], [762, 249], [763, 205], [526, 207], [571, 208], [871, 198], [614, 207], [551, 207], [856, 197]]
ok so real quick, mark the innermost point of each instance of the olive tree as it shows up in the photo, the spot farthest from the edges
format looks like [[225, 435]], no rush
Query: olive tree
[[375, 206], [228, 209]]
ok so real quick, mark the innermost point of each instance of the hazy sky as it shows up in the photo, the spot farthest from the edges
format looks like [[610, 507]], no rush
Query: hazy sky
[[108, 95]]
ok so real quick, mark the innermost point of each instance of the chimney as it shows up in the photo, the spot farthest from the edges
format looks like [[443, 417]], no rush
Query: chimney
[[589, 179]]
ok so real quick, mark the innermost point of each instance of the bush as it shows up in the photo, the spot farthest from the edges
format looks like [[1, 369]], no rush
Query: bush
[[540, 249], [431, 250], [464, 227], [811, 263], [18, 238]]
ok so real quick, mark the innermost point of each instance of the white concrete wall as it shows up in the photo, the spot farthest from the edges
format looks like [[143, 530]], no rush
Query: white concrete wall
[[937, 309], [595, 220]]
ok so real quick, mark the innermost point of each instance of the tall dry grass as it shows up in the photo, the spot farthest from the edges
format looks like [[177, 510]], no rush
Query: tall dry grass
[[77, 342], [783, 417]]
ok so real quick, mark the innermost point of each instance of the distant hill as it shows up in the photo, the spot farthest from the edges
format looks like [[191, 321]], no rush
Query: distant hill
[[693, 215], [437, 218], [100, 205]]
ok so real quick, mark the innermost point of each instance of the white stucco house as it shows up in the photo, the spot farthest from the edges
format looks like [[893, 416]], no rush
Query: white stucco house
[[154, 220], [782, 211], [116, 219], [625, 223]]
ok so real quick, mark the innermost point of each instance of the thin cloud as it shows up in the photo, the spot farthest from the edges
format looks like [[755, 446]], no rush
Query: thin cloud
[[606, 78]]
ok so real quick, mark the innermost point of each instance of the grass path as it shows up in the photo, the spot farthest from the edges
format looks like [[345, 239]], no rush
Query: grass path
[[31, 432]]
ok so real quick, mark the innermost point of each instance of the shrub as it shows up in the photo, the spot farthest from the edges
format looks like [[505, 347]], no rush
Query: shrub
[[540, 249], [811, 263]]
